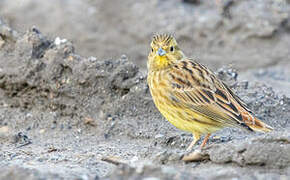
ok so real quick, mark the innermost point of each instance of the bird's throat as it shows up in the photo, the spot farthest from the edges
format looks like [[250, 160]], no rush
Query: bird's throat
[[161, 62]]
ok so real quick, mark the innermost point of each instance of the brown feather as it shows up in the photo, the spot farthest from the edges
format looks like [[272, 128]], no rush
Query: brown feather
[[217, 98]]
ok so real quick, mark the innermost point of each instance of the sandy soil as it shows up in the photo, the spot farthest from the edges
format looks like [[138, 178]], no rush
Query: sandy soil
[[64, 115]]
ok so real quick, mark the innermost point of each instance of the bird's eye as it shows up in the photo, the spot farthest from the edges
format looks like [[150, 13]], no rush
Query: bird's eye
[[171, 48], [152, 49]]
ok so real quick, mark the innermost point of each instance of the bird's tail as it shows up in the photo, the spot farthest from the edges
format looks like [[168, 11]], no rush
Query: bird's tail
[[259, 126], [249, 120]]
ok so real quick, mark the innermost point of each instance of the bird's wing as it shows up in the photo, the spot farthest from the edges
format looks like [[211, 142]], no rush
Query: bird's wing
[[197, 88]]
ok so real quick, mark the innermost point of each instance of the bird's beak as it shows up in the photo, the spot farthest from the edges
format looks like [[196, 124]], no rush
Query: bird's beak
[[161, 52]]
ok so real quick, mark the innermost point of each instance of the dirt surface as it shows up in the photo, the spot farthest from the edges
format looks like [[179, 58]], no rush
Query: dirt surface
[[90, 116]]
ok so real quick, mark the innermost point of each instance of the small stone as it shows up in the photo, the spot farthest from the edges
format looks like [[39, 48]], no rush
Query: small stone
[[124, 57], [4, 129], [151, 178], [159, 136], [41, 131], [216, 137], [92, 59], [59, 41]]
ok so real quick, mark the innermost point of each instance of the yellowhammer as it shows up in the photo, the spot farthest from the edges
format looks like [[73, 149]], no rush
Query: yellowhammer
[[191, 97]]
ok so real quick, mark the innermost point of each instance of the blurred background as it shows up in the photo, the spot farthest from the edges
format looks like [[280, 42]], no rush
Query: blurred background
[[245, 34]]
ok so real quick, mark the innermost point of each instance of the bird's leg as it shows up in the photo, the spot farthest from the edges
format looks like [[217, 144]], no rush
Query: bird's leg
[[204, 141], [196, 155], [195, 139]]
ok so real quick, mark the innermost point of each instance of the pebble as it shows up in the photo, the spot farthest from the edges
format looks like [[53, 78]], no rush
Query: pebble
[[159, 136], [59, 41], [41, 131], [151, 178], [4, 129], [92, 59], [124, 57]]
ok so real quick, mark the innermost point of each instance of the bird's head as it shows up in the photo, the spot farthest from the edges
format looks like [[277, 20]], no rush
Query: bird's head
[[164, 52]]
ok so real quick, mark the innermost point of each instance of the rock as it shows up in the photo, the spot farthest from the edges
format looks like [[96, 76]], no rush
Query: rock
[[4, 130], [271, 150]]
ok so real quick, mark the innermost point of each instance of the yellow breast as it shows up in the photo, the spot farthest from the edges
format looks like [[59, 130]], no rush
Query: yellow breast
[[179, 115]]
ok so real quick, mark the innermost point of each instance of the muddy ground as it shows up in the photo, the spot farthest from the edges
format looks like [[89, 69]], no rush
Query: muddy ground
[[70, 104]]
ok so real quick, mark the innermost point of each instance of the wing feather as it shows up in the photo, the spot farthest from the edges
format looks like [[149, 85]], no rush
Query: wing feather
[[205, 94]]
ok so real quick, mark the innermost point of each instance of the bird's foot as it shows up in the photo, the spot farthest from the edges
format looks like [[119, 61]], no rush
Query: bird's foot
[[194, 156]]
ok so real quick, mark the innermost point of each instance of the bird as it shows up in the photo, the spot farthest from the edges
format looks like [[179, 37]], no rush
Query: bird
[[191, 97]]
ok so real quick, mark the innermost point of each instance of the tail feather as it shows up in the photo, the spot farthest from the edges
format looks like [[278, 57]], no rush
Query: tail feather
[[258, 125], [254, 123]]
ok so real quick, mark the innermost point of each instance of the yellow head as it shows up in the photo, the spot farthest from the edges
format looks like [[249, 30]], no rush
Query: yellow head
[[164, 52]]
